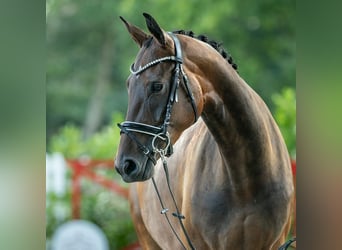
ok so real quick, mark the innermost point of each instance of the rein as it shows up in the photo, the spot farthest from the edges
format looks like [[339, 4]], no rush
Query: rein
[[161, 133], [164, 210]]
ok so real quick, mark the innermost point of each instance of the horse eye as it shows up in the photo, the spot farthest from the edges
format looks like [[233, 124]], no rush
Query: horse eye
[[156, 87]]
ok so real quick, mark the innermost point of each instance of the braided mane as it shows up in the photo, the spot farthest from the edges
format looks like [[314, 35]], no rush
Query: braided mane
[[217, 46]]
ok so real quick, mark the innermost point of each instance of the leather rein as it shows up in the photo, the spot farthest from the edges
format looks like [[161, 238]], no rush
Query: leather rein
[[160, 132]]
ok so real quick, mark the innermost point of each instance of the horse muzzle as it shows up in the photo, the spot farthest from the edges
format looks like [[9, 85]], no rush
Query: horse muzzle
[[132, 171], [139, 166]]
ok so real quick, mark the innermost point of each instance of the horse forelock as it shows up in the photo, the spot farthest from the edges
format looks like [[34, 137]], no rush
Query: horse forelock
[[217, 46]]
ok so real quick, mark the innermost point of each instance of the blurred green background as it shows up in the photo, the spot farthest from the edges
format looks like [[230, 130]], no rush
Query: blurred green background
[[88, 56]]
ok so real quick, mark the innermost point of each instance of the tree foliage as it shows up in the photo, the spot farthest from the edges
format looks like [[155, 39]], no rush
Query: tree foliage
[[285, 115]]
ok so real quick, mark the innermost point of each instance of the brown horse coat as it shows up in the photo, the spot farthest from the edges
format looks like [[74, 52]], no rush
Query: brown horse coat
[[230, 171]]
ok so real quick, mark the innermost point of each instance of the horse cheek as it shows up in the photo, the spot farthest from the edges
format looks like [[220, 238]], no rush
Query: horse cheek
[[158, 114], [156, 109]]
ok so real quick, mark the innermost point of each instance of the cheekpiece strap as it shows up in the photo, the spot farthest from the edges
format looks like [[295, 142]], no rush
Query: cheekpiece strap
[[178, 49]]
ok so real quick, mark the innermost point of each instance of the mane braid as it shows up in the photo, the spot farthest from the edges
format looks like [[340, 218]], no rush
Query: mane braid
[[217, 46]]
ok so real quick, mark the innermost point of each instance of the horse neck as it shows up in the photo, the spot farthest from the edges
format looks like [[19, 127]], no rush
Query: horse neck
[[238, 119]]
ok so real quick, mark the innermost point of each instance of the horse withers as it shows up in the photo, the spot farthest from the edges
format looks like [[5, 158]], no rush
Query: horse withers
[[201, 149]]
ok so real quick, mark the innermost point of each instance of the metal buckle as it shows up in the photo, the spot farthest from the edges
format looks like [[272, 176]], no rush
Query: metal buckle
[[162, 136]]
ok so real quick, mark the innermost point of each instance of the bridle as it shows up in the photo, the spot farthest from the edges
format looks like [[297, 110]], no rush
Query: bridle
[[127, 127], [160, 132]]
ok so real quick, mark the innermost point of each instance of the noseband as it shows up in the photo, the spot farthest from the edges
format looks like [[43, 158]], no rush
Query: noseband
[[160, 132]]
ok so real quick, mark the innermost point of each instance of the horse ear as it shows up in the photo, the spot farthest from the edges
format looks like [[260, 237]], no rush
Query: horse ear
[[137, 34], [155, 30]]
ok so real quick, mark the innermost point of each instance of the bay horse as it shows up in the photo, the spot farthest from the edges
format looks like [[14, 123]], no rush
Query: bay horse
[[194, 124]]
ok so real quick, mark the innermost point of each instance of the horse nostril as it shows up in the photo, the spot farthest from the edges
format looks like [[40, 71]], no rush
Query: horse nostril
[[129, 167]]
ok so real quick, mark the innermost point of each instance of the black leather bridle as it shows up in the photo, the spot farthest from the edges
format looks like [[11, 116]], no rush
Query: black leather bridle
[[160, 132]]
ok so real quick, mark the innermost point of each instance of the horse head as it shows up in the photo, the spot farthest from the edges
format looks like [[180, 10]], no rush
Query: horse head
[[162, 102]]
